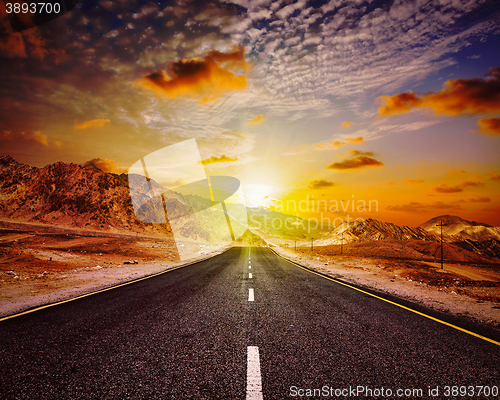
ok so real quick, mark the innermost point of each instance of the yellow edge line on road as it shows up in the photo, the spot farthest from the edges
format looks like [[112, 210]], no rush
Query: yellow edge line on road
[[390, 302], [106, 289]]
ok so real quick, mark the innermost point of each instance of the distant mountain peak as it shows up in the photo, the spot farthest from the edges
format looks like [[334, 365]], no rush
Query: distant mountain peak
[[450, 220]]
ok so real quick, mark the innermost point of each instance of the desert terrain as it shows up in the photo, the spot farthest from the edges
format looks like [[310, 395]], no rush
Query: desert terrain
[[41, 264]]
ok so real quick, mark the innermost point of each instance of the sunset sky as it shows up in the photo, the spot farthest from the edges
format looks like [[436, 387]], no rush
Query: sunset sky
[[392, 102]]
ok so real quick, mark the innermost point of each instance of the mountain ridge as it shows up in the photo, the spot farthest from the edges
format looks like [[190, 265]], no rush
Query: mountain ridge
[[86, 197]]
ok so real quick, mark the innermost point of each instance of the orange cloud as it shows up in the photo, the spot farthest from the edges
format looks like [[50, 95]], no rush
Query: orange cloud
[[413, 181], [494, 176], [456, 172], [337, 143], [222, 158], [98, 123], [458, 97], [256, 120], [459, 188], [360, 153], [480, 200], [206, 79], [107, 165], [355, 163], [469, 183], [34, 137], [489, 126], [346, 124], [418, 207], [319, 184], [13, 44], [448, 189], [16, 44]]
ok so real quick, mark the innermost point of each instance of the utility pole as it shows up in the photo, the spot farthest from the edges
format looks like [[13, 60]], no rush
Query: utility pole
[[295, 245], [312, 244], [441, 225], [342, 244]]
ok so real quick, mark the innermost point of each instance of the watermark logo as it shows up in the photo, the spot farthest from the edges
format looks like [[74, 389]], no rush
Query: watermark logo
[[170, 186]]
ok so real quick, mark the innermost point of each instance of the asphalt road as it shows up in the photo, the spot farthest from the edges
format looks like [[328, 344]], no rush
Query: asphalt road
[[186, 334]]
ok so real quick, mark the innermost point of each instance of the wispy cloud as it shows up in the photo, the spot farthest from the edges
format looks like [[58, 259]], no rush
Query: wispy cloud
[[355, 163], [415, 207], [444, 188], [107, 165], [320, 184], [360, 153], [97, 123], [337, 143], [256, 120], [494, 176], [222, 159]]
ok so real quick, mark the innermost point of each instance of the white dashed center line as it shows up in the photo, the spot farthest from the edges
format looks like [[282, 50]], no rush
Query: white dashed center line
[[249, 267], [254, 380], [250, 295], [250, 275]]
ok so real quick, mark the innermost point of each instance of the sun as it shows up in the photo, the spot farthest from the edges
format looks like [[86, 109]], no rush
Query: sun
[[258, 194]]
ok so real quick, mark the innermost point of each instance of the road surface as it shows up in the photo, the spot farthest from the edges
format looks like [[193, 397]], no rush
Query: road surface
[[213, 331]]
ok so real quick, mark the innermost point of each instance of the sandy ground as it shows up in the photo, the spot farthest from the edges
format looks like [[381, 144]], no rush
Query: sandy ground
[[471, 291], [41, 265]]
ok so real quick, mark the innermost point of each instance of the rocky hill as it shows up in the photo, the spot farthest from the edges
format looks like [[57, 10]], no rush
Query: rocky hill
[[69, 195], [474, 236], [372, 229]]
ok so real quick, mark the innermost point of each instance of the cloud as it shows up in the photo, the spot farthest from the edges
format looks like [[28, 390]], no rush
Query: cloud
[[444, 188], [494, 176], [480, 200], [256, 120], [98, 123], [355, 163], [221, 159], [206, 79], [447, 189], [414, 207], [318, 184], [458, 97], [17, 44], [346, 124], [489, 126], [107, 165], [456, 172], [360, 153], [36, 137], [470, 183], [338, 143], [413, 181]]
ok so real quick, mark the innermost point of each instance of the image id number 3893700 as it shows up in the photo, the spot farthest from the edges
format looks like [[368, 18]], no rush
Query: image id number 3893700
[[33, 8], [477, 390]]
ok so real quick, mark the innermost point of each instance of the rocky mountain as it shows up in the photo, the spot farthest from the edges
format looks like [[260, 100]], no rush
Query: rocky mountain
[[86, 197], [69, 195], [372, 229], [78, 196], [474, 236], [458, 229]]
